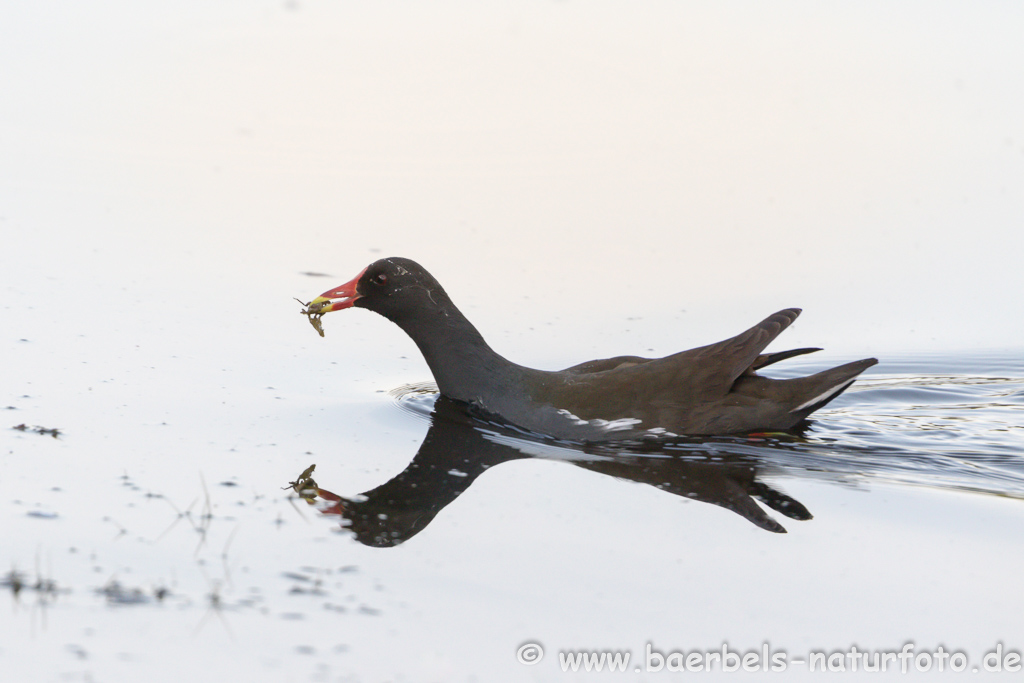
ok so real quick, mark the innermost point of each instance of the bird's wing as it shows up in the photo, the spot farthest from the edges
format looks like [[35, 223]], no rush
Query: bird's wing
[[603, 364], [766, 359], [712, 370]]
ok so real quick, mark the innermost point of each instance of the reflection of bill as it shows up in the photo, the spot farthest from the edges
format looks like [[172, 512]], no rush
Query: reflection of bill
[[459, 447]]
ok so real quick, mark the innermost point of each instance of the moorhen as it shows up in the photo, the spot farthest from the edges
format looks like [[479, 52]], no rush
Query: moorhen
[[457, 450], [711, 390]]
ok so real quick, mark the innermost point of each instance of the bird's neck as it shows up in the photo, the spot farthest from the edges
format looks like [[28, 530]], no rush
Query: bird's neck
[[464, 366]]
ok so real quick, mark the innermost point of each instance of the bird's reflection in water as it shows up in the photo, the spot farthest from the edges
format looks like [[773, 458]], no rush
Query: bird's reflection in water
[[459, 447]]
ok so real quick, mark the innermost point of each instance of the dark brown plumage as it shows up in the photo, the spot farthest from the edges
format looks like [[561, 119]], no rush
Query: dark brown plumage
[[713, 389]]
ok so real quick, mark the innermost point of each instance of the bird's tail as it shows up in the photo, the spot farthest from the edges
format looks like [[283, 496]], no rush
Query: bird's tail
[[818, 389]]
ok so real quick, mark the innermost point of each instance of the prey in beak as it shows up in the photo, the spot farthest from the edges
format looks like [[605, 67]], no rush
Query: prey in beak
[[335, 299]]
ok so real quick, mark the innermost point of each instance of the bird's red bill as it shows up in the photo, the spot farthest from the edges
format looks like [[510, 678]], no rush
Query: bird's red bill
[[335, 299], [340, 297]]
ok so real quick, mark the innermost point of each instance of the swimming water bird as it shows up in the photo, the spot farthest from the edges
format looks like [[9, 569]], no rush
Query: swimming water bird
[[710, 390]]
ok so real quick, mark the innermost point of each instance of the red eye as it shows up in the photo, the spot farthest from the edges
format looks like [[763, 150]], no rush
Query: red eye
[[379, 279]]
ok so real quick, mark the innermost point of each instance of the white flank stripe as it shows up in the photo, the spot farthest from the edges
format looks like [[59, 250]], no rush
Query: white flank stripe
[[823, 395]]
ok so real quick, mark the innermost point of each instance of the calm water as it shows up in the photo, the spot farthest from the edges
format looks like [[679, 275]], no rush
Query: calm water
[[915, 427], [586, 181], [456, 566]]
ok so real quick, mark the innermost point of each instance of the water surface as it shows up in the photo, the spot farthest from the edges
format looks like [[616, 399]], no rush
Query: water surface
[[586, 181]]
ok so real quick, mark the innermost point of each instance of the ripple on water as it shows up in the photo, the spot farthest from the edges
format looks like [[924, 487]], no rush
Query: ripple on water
[[416, 398], [939, 421]]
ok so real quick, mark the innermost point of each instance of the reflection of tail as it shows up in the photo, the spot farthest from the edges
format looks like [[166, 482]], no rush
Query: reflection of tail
[[736, 491], [780, 502], [737, 497], [745, 506], [814, 391]]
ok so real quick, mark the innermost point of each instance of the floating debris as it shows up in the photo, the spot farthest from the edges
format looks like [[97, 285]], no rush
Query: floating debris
[[50, 431], [16, 582], [118, 594], [77, 650]]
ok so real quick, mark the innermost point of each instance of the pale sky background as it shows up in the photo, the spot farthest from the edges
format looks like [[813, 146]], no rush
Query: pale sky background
[[865, 162]]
